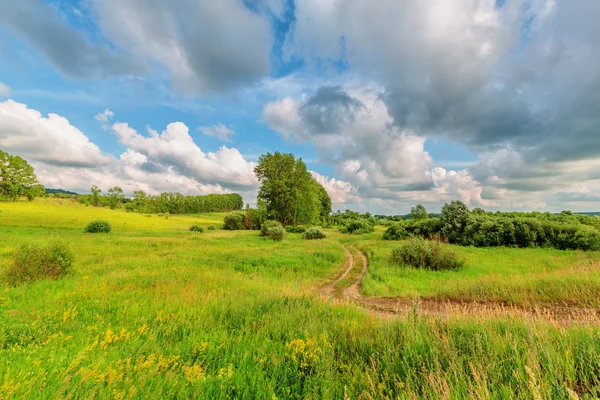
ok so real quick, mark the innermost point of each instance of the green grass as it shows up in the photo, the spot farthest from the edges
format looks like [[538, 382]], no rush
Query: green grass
[[152, 310], [508, 275]]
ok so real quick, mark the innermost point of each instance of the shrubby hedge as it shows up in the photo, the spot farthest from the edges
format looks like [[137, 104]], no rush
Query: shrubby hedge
[[234, 222], [196, 228], [98, 226], [358, 226], [427, 254], [264, 229], [314, 234], [480, 229]]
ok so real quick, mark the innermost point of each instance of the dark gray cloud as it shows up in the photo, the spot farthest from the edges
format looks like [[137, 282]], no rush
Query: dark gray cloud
[[67, 49], [329, 109]]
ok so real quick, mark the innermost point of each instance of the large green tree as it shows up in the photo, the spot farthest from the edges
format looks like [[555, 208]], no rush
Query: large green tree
[[17, 178], [289, 192]]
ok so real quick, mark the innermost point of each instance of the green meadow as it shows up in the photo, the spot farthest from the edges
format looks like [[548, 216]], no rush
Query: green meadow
[[152, 310]]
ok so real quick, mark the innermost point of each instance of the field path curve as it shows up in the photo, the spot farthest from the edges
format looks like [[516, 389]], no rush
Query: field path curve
[[393, 307]]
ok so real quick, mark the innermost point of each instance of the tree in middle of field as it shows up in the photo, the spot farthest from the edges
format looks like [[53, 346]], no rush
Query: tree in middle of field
[[289, 192]]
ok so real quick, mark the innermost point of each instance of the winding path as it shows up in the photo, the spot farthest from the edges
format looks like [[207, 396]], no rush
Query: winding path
[[390, 308]]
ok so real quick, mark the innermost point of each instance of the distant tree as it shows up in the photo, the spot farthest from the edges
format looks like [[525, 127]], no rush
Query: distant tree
[[17, 178], [35, 191], [140, 201], [115, 197], [478, 211], [96, 192], [454, 219], [418, 212], [288, 191]]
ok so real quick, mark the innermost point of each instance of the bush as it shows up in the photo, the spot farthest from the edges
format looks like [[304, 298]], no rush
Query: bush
[[234, 222], [276, 233], [98, 226], [295, 229], [264, 229], [358, 226], [253, 219], [427, 228], [211, 228], [32, 262], [396, 232], [427, 254], [454, 220], [196, 228], [314, 234]]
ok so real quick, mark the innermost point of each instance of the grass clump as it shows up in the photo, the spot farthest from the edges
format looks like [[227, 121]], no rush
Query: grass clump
[[196, 228], [427, 254], [314, 234], [211, 228], [33, 261], [98, 226]]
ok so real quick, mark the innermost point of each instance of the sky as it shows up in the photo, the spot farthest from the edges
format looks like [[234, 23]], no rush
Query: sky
[[390, 102]]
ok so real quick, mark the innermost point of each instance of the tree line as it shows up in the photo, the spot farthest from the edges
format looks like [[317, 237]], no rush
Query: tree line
[[478, 228], [172, 203]]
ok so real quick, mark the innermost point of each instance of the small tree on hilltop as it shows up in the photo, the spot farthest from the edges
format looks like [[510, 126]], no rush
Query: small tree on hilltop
[[17, 178], [418, 212]]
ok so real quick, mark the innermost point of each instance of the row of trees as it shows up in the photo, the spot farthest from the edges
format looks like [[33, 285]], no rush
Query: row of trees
[[461, 226], [173, 203], [17, 179]]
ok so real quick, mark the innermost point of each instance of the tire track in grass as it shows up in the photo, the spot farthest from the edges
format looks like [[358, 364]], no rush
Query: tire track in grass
[[393, 307]]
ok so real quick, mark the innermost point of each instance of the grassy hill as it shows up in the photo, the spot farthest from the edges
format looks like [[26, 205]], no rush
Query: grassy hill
[[153, 310]]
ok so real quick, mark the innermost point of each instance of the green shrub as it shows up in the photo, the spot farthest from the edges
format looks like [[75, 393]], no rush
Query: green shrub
[[276, 233], [211, 228], [314, 234], [358, 226], [290, 229], [426, 228], [234, 222], [427, 254], [264, 229], [98, 226], [32, 262], [396, 232], [254, 218], [196, 228]]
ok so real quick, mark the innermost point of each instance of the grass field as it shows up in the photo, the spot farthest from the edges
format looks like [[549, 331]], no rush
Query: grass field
[[525, 277], [153, 310]]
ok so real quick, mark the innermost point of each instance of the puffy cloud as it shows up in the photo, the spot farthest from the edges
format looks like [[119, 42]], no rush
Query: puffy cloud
[[52, 140], [340, 192], [220, 131], [68, 50], [175, 148], [64, 157], [4, 90], [351, 128], [206, 45]]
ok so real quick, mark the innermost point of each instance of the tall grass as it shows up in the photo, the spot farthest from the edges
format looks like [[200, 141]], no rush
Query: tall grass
[[151, 311]]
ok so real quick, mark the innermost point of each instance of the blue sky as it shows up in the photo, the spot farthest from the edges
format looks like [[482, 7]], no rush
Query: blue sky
[[389, 103]]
